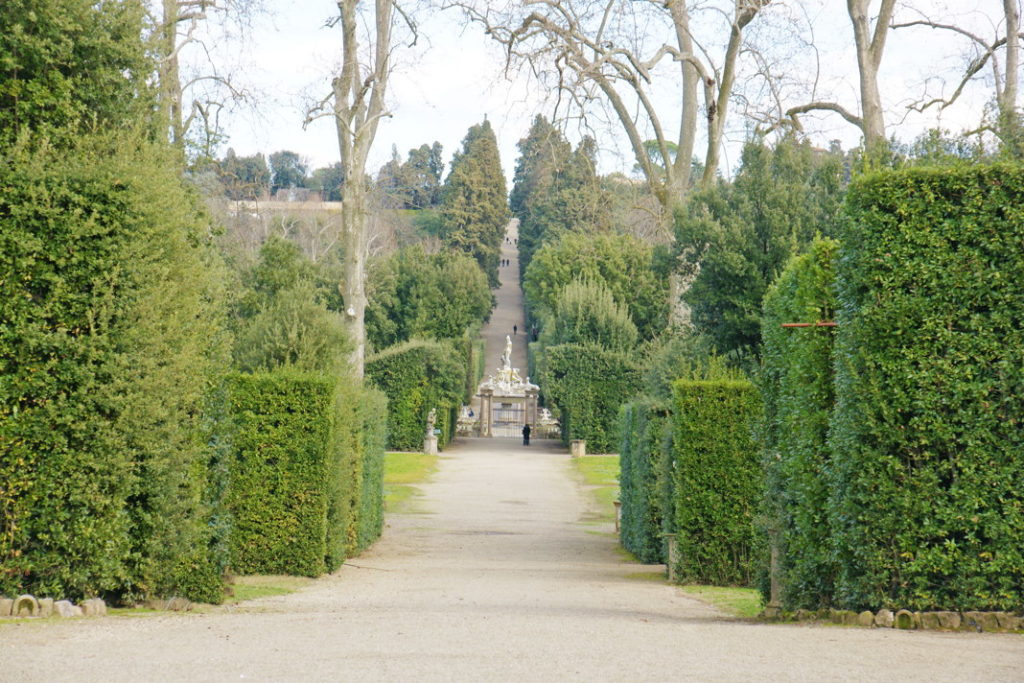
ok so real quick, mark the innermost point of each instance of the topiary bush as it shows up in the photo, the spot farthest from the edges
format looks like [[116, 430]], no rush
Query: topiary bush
[[417, 376], [645, 444], [588, 384], [928, 478], [717, 479], [797, 387], [112, 340], [282, 476]]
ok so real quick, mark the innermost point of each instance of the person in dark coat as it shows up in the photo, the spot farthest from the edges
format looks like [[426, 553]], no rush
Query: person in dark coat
[[526, 435]]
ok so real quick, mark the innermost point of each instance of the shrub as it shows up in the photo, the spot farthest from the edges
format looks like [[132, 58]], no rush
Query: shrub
[[373, 438], [111, 341], [623, 263], [585, 312], [717, 480], [588, 384], [416, 377], [280, 489], [796, 385], [645, 443], [928, 507]]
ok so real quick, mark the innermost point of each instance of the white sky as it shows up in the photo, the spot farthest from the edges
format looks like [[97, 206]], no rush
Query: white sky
[[452, 79]]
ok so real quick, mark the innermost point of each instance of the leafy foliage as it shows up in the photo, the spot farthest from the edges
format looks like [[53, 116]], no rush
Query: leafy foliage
[[585, 312], [555, 189], [415, 294], [112, 341], [418, 376], [624, 264], [797, 387], [474, 208], [587, 384], [736, 238], [646, 441], [70, 66], [278, 495], [717, 480], [244, 177], [928, 510]]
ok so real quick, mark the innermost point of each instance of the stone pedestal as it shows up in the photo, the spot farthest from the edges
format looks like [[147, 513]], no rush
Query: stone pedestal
[[531, 407], [486, 416], [430, 444], [578, 448]]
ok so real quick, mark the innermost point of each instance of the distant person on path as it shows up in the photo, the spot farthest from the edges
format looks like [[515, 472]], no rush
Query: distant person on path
[[515, 329], [526, 435]]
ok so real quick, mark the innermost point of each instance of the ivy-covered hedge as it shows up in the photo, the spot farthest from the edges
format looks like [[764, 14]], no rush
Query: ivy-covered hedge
[[417, 376], [797, 387], [645, 442], [927, 436], [718, 481], [280, 486], [110, 343], [588, 384]]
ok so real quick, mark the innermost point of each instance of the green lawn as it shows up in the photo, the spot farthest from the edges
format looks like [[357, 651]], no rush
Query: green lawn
[[263, 586], [740, 602], [600, 474], [402, 471]]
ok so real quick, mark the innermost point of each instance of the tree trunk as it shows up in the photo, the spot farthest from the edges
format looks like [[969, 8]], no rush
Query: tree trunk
[[1009, 123], [870, 46], [169, 74]]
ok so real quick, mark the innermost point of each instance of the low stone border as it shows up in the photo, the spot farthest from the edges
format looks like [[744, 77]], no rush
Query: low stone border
[[29, 606], [907, 620]]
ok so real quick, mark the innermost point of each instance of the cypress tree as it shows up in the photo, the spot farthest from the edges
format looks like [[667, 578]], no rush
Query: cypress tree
[[474, 208]]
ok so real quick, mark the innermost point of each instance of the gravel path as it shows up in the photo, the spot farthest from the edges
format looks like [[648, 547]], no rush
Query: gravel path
[[499, 578]]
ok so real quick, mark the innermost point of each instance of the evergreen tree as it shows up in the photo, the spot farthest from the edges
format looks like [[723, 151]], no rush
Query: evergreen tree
[[474, 210], [71, 65], [586, 313], [738, 236], [287, 170]]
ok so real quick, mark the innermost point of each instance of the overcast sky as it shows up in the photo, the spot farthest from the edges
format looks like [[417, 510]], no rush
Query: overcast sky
[[453, 78]]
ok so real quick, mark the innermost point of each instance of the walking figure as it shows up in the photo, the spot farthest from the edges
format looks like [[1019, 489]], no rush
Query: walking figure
[[526, 435], [515, 329]]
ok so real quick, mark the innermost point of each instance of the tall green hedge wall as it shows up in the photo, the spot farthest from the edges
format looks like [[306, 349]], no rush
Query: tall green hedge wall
[[306, 482], [110, 343], [645, 443], [417, 376], [588, 384], [797, 387], [718, 481], [927, 436], [280, 487]]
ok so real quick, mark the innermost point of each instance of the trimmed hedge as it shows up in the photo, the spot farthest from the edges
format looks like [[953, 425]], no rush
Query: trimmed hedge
[[111, 341], [797, 387], [306, 487], [373, 412], [417, 376], [280, 490], [717, 481], [645, 441], [588, 384], [927, 440]]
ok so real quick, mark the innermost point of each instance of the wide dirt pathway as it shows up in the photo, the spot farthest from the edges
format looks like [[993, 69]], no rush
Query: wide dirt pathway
[[497, 579]]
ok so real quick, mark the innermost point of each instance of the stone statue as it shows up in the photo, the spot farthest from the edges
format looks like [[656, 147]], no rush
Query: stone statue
[[506, 358], [431, 419]]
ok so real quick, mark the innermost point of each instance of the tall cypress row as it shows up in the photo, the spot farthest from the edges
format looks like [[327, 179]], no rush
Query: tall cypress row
[[474, 206]]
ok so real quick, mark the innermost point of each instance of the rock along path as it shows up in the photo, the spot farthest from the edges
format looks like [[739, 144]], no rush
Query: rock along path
[[498, 576]]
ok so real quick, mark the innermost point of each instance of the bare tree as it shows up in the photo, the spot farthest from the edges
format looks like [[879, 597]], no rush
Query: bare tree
[[181, 25], [986, 52], [602, 50], [357, 104], [869, 38]]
